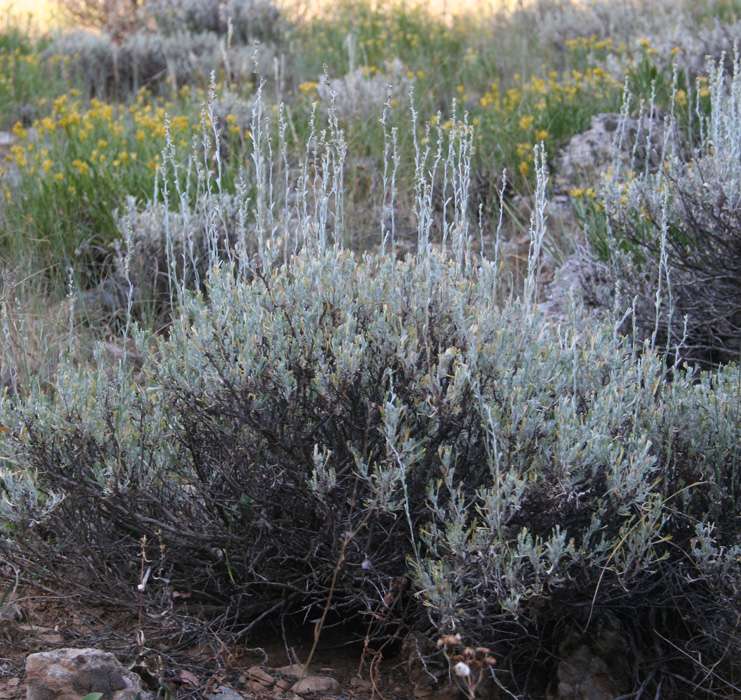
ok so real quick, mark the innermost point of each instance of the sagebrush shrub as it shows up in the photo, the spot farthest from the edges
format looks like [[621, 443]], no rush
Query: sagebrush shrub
[[450, 464], [672, 238], [249, 19], [159, 247], [244, 20], [88, 59], [105, 68]]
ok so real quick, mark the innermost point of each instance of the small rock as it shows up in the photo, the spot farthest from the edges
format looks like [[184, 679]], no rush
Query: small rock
[[361, 684], [584, 676], [224, 692], [591, 152], [316, 684], [255, 673], [292, 671], [69, 674]]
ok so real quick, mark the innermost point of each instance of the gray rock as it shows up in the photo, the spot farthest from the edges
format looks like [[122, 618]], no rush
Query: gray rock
[[70, 674], [316, 684], [582, 675], [224, 692], [610, 140]]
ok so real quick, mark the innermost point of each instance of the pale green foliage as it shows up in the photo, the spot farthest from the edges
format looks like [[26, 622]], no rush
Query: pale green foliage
[[528, 467]]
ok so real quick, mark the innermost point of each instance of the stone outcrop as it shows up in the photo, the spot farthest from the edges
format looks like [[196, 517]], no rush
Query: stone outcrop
[[71, 674]]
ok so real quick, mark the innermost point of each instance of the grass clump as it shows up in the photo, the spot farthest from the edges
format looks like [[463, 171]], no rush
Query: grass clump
[[77, 166]]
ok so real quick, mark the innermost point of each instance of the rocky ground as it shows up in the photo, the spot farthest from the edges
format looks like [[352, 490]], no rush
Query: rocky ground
[[46, 654]]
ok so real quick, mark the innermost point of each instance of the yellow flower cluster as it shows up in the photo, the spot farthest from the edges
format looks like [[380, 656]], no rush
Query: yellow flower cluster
[[309, 87], [592, 43], [79, 142], [528, 106], [582, 193]]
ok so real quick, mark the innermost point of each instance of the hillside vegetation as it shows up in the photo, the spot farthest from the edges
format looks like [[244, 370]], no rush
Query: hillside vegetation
[[425, 324]]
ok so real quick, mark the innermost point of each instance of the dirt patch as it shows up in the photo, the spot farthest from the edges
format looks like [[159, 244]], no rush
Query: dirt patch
[[267, 666]]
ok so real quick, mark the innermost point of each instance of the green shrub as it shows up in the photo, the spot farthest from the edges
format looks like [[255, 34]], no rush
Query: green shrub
[[26, 82], [337, 425]]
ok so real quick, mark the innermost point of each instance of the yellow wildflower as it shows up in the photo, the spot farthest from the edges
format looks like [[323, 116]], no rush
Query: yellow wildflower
[[19, 131], [81, 166], [18, 154], [180, 122], [308, 87], [526, 122]]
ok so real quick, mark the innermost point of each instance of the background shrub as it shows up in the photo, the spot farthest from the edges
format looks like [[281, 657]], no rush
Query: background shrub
[[676, 232], [250, 19]]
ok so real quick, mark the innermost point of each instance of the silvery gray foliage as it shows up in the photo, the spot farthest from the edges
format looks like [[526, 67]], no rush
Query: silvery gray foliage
[[558, 21], [148, 59], [228, 102], [175, 16], [310, 406], [252, 20], [244, 20], [673, 234], [690, 45], [523, 475], [361, 94], [88, 59], [103, 67], [158, 246]]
